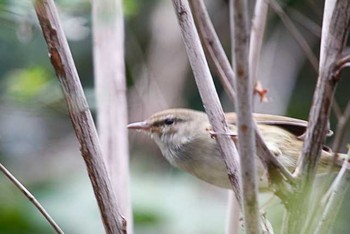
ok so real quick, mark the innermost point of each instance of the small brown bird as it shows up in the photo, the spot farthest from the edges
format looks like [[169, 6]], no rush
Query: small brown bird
[[185, 141]]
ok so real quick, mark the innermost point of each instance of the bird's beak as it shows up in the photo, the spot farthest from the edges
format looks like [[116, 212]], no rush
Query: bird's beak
[[139, 126]]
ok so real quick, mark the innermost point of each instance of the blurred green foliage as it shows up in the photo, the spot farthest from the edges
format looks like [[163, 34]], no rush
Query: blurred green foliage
[[16, 214]]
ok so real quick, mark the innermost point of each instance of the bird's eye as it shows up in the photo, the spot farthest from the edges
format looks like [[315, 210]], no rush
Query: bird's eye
[[169, 121]]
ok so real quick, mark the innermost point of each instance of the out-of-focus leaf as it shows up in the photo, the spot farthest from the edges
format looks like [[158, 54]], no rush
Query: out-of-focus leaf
[[26, 83], [130, 7]]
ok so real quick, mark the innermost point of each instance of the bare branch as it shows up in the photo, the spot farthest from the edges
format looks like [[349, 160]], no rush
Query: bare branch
[[256, 37], [211, 42], [295, 32], [302, 42], [232, 215], [245, 124], [337, 193], [108, 35], [341, 130], [342, 63], [335, 29], [207, 91], [82, 121], [305, 21], [213, 46], [31, 198]]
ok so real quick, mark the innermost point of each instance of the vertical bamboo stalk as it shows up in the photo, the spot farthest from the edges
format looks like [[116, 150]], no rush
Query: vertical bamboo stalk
[[109, 71]]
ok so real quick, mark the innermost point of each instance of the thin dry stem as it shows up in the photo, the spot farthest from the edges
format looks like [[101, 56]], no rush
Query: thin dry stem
[[212, 45], [295, 32], [207, 91], [341, 130], [337, 192], [207, 32], [302, 42], [232, 215], [335, 30], [245, 124], [305, 21], [256, 38], [31, 198], [62, 61], [108, 35]]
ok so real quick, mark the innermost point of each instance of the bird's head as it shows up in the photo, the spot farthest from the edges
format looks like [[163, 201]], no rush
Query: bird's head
[[171, 128]]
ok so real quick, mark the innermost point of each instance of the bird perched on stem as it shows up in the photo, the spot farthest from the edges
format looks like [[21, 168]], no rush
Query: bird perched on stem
[[184, 138]]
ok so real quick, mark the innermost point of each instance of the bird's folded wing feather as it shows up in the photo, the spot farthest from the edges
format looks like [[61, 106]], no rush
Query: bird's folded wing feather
[[295, 126]]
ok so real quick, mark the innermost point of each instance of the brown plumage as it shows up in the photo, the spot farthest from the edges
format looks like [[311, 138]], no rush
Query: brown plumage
[[184, 140]]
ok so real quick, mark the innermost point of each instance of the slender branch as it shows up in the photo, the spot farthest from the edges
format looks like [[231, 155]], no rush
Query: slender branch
[[341, 129], [343, 60], [245, 124], [62, 61], [337, 193], [336, 109], [303, 44], [31, 198], [305, 21], [271, 162], [212, 45], [207, 91], [342, 63], [295, 32], [256, 37], [108, 35], [327, 182], [335, 29], [232, 215], [211, 42]]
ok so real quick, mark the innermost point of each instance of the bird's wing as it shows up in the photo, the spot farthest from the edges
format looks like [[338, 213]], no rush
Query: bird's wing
[[295, 126]]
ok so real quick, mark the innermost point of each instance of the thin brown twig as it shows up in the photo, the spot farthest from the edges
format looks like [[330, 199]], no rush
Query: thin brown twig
[[207, 92], [342, 63], [245, 123], [327, 182], [336, 109], [305, 21], [341, 130], [337, 193], [110, 87], [303, 44], [83, 124], [296, 34], [31, 198], [256, 38], [203, 21], [335, 30], [212, 45]]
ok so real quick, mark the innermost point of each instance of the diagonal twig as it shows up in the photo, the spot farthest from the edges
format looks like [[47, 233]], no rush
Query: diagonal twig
[[295, 32], [62, 60], [211, 41], [207, 91], [31, 198], [337, 192], [256, 37], [335, 28], [212, 45], [303, 44]]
